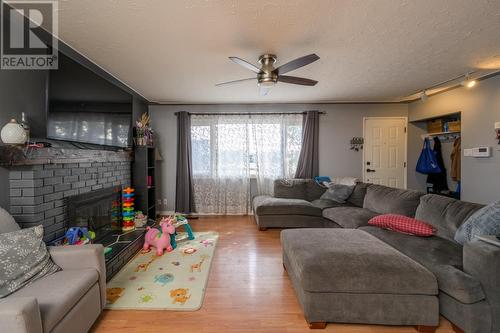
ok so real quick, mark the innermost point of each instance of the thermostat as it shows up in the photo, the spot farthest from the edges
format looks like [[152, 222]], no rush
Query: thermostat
[[481, 152]]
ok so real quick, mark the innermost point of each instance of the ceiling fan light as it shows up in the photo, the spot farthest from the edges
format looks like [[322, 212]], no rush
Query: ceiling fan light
[[266, 84]]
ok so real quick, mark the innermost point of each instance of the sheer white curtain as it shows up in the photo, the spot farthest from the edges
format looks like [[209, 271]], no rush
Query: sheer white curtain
[[231, 153]]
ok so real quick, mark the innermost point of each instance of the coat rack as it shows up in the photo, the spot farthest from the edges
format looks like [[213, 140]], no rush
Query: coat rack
[[443, 136]]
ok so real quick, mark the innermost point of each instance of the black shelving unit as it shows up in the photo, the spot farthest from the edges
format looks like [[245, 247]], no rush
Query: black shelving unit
[[144, 168]]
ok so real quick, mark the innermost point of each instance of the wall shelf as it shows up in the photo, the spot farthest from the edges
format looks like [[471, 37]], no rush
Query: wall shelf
[[144, 168], [450, 133]]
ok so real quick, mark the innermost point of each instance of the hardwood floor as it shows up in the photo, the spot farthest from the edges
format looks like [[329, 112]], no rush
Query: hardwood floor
[[248, 291]]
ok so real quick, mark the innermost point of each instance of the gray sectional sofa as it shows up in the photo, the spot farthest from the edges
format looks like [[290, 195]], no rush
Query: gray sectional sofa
[[467, 277]]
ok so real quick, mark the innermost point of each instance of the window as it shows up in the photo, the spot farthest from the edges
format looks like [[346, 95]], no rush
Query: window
[[229, 150]]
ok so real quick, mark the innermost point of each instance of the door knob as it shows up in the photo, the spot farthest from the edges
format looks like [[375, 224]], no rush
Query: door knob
[[370, 170]]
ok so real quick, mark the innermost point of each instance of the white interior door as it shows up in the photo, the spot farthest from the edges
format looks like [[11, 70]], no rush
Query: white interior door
[[384, 159]]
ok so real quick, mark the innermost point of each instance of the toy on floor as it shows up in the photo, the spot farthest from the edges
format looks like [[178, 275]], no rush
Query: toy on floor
[[128, 214], [140, 219], [180, 220], [78, 236], [160, 239]]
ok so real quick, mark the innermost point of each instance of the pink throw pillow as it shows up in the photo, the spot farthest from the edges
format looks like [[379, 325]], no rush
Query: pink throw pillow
[[403, 224]]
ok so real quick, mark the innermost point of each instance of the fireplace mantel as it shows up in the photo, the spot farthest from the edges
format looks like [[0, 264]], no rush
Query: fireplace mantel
[[17, 156]]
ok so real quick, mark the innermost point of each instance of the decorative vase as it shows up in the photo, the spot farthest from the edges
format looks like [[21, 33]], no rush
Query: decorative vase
[[141, 141], [13, 133]]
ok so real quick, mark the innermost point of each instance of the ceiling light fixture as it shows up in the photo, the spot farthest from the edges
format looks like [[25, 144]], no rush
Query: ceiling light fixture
[[461, 80], [468, 82]]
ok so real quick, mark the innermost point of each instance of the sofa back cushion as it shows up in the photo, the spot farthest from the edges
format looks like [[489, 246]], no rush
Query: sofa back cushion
[[358, 194], [290, 188], [314, 191], [388, 200], [445, 214], [7, 222]]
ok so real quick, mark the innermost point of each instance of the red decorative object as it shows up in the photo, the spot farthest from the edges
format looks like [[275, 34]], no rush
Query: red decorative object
[[403, 224]]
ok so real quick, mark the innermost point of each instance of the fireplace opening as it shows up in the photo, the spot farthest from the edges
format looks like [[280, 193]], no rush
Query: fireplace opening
[[99, 211]]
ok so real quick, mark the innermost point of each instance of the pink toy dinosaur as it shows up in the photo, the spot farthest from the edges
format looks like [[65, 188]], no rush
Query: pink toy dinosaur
[[159, 239]]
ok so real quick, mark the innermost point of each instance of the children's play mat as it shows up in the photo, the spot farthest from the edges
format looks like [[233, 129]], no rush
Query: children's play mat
[[174, 281]]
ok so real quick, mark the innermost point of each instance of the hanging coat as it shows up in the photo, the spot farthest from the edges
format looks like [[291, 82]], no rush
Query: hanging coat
[[438, 181], [456, 154]]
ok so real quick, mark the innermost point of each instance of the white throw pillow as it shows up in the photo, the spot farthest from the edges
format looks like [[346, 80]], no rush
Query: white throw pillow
[[349, 181]]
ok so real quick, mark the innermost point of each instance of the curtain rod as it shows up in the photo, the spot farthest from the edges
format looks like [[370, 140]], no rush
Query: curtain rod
[[243, 113]]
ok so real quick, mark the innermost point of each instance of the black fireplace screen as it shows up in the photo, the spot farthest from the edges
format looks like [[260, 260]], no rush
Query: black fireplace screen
[[99, 211]]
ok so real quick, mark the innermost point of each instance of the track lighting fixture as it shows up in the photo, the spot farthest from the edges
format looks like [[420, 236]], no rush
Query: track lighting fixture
[[468, 82]]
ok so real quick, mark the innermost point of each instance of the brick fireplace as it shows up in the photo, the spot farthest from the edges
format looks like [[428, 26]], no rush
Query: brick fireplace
[[37, 192], [41, 181]]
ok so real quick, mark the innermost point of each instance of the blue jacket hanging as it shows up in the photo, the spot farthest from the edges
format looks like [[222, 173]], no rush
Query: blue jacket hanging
[[427, 162]]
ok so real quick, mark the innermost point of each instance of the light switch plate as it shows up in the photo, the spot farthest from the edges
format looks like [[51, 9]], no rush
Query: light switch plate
[[467, 152]]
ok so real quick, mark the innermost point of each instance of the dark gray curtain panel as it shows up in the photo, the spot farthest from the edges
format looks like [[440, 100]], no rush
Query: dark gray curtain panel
[[184, 197], [308, 164]]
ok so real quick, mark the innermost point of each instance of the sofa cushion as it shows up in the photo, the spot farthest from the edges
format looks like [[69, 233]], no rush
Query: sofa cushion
[[445, 214], [402, 224], [358, 194], [7, 222], [290, 188], [441, 256], [388, 200], [58, 293], [325, 203], [314, 190], [349, 217], [352, 261], [267, 205]]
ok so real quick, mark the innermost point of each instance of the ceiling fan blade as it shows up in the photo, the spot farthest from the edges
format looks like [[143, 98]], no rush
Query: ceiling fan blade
[[245, 64], [297, 63], [296, 80], [235, 81], [263, 91]]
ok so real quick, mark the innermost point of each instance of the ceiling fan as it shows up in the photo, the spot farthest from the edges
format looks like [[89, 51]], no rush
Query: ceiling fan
[[268, 76]]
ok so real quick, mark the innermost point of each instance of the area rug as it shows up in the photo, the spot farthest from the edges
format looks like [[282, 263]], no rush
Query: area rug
[[174, 281]]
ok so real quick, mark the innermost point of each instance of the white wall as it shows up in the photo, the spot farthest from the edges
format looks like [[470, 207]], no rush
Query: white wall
[[480, 109], [340, 123]]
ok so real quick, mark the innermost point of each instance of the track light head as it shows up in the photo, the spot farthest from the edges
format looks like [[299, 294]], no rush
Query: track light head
[[468, 82]]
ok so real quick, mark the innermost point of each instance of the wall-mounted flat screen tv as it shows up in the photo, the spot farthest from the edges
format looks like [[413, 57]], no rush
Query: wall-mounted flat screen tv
[[86, 108]]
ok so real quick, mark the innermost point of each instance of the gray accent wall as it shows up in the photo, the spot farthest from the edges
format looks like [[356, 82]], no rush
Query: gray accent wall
[[22, 91], [340, 123], [480, 109]]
